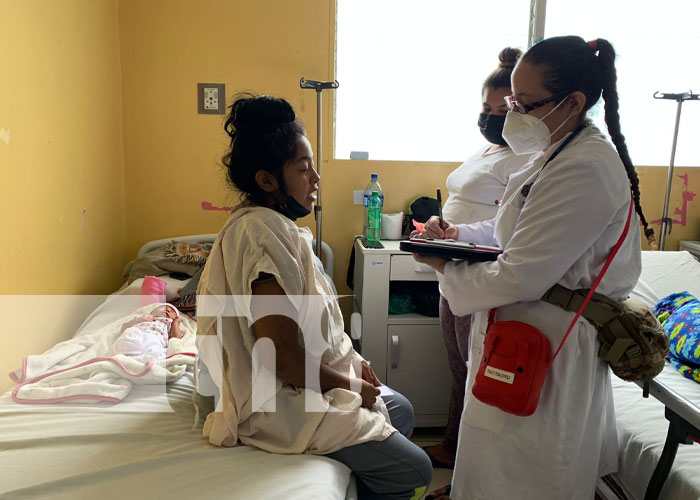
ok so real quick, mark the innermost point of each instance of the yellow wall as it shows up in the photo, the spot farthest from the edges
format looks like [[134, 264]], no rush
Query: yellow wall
[[60, 99], [172, 153]]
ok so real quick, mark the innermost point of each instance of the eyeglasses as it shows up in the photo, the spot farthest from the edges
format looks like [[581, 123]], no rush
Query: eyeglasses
[[520, 107]]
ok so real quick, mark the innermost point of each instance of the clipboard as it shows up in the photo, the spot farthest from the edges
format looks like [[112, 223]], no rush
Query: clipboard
[[450, 249]]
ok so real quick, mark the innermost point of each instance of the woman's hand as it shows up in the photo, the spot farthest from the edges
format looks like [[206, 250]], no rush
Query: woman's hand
[[369, 394], [432, 229], [435, 262], [368, 374]]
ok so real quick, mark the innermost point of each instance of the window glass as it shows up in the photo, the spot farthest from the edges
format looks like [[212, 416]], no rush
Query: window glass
[[411, 71], [656, 43]]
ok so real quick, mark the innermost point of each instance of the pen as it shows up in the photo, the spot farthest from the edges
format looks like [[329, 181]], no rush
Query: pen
[[439, 198]]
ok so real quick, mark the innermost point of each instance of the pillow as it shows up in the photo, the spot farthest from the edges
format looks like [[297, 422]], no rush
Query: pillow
[[172, 287], [157, 263], [152, 290]]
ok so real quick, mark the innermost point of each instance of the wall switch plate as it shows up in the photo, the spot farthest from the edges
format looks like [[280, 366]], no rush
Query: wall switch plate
[[211, 98], [358, 197]]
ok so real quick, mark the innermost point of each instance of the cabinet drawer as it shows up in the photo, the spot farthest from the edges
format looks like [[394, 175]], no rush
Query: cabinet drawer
[[405, 268]]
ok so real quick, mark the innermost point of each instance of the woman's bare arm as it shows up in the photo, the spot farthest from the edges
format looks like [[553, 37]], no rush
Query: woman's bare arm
[[290, 363]]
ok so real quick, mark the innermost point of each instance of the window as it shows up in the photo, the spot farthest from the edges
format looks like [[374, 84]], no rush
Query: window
[[411, 71], [655, 42]]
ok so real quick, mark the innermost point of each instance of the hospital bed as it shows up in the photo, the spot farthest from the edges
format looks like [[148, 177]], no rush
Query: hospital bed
[[649, 430], [146, 446]]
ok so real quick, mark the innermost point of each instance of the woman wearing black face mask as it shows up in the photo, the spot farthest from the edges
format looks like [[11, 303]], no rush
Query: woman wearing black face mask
[[289, 379], [475, 189]]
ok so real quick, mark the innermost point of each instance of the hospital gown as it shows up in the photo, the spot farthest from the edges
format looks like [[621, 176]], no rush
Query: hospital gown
[[259, 241]]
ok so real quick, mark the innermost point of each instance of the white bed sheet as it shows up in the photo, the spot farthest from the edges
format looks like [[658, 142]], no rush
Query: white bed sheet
[[144, 447], [641, 423], [86, 454]]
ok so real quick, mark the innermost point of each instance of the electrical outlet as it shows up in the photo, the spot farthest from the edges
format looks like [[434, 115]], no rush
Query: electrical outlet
[[211, 98]]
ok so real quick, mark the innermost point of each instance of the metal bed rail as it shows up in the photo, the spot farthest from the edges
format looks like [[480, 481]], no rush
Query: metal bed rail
[[683, 428]]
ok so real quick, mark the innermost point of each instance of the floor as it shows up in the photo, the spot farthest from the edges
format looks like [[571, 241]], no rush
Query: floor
[[427, 436]]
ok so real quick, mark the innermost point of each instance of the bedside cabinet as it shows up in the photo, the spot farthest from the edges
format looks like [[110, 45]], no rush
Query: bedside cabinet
[[691, 246], [406, 350]]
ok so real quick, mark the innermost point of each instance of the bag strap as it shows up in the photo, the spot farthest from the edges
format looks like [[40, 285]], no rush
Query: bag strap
[[611, 256], [613, 252]]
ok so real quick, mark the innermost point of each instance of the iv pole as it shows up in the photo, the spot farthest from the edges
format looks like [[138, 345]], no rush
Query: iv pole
[[319, 87], [666, 221]]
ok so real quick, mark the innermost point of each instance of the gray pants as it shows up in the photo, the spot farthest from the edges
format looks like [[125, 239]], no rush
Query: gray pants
[[394, 468], [455, 333]]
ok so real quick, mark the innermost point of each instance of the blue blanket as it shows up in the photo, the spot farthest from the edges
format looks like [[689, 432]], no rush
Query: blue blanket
[[679, 314]]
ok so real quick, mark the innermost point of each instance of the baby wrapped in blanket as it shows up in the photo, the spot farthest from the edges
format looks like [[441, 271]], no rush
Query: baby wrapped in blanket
[[147, 336]]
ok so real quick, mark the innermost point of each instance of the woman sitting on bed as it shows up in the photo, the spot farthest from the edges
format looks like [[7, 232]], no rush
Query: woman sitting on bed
[[261, 254]]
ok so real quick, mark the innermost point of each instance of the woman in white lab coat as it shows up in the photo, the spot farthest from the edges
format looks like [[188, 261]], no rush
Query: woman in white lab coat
[[475, 190], [555, 225]]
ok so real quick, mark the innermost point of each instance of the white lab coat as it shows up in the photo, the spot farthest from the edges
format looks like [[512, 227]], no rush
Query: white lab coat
[[561, 233]]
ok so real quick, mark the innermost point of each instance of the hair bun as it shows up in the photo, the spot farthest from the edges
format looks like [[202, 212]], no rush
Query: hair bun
[[508, 57], [260, 114]]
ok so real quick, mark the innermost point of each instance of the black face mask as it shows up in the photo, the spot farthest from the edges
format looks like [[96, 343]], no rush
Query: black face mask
[[491, 127], [292, 209], [288, 206]]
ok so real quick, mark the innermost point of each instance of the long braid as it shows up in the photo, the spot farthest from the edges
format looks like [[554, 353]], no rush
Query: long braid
[[606, 55]]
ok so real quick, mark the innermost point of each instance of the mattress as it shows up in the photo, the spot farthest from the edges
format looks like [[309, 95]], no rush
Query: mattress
[[144, 447], [641, 423], [97, 453]]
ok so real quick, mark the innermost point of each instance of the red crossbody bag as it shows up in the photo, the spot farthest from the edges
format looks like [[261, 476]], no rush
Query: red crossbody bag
[[516, 359]]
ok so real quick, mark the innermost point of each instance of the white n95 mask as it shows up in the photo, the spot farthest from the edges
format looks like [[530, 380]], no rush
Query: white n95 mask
[[529, 134]]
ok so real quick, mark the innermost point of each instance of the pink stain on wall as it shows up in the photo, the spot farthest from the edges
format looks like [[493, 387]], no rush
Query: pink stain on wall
[[686, 197], [209, 207]]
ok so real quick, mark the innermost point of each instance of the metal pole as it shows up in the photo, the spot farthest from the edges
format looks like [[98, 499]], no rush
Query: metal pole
[[665, 220], [538, 11], [318, 207]]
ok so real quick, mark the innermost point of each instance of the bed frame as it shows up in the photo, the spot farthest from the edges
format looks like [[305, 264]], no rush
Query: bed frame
[[683, 428]]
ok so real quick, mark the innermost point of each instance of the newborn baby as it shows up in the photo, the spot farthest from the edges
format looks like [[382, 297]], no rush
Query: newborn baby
[[148, 335]]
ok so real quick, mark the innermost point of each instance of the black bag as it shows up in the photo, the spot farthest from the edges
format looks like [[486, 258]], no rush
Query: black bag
[[421, 209], [426, 298]]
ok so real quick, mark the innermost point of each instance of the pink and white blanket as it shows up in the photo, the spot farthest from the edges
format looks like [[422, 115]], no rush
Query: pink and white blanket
[[87, 368]]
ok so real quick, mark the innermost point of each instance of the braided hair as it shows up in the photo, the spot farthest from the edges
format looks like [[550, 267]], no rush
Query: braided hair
[[264, 135], [571, 64]]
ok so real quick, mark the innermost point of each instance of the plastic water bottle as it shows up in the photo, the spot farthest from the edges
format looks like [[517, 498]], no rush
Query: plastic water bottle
[[372, 186], [374, 219]]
